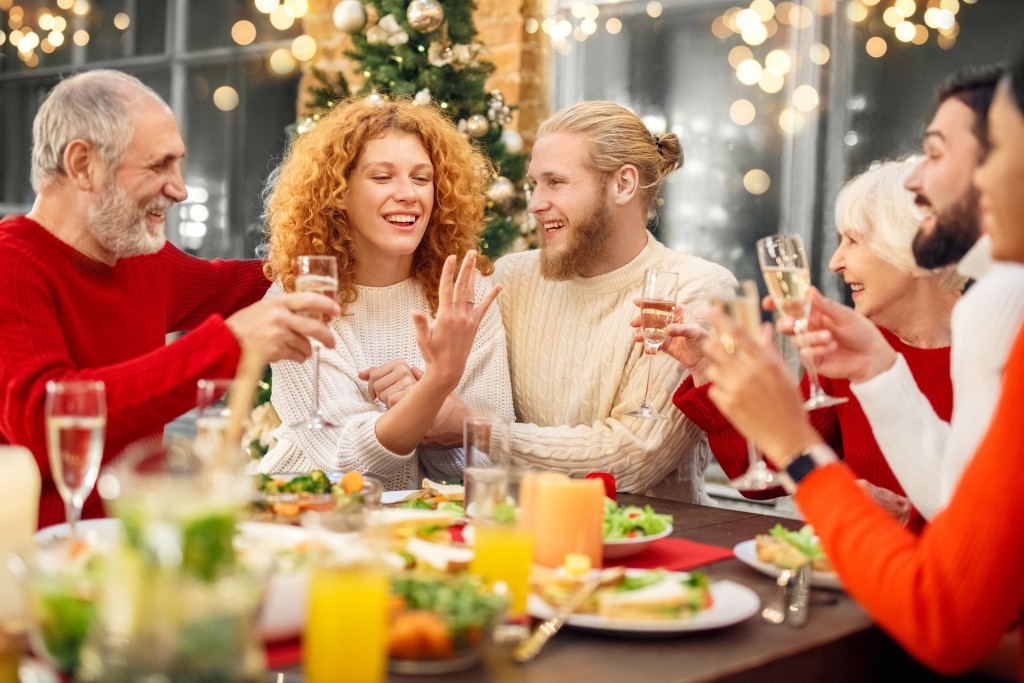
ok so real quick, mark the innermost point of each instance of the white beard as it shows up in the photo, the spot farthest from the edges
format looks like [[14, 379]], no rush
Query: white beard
[[121, 228]]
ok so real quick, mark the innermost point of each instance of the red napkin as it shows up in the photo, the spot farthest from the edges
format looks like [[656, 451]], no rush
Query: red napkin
[[608, 480], [674, 554], [283, 653]]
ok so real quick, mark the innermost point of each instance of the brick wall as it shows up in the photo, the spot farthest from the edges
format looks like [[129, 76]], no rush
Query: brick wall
[[521, 60]]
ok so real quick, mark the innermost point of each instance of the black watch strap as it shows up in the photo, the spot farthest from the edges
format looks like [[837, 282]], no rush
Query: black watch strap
[[801, 466]]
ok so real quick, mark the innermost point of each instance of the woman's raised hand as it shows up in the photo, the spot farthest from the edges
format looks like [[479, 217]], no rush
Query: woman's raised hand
[[445, 343]]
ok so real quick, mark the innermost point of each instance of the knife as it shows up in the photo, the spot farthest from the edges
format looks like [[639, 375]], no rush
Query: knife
[[530, 647]]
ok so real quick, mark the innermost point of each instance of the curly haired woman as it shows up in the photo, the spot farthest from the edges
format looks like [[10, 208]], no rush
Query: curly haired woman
[[397, 194]]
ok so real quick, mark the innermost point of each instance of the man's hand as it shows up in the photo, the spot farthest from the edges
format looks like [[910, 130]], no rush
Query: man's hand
[[279, 328], [390, 381], [684, 342], [446, 432]]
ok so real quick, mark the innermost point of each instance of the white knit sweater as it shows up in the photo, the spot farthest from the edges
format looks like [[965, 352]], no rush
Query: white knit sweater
[[378, 328], [576, 371]]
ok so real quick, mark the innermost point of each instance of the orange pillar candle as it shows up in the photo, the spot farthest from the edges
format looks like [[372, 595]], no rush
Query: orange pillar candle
[[566, 517]]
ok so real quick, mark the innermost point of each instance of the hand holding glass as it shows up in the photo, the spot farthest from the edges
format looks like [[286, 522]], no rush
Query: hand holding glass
[[657, 307], [76, 420], [317, 274], [743, 305], [788, 277]]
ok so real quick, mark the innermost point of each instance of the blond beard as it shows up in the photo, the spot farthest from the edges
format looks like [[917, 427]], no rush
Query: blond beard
[[584, 247], [120, 227]]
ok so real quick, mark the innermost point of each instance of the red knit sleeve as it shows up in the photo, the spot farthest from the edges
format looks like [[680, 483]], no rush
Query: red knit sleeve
[[949, 595], [727, 445], [197, 288]]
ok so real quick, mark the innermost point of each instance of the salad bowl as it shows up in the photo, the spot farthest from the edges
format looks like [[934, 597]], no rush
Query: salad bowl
[[627, 547]]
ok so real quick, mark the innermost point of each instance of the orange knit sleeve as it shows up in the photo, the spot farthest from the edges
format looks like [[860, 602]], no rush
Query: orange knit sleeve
[[949, 595]]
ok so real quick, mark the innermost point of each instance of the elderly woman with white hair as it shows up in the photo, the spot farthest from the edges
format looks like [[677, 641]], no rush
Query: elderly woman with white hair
[[877, 220]]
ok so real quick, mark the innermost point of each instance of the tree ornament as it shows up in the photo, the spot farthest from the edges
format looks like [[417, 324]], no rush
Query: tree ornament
[[350, 16], [513, 141], [422, 98], [375, 98], [387, 31], [501, 191], [477, 126], [425, 16]]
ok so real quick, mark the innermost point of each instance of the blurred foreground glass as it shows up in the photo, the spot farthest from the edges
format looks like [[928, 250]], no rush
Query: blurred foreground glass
[[178, 602], [788, 277], [76, 420], [346, 629], [214, 416], [485, 441], [317, 274], [657, 308], [742, 303], [503, 550]]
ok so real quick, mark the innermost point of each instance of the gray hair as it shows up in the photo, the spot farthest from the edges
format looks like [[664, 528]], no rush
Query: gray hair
[[91, 106], [876, 210]]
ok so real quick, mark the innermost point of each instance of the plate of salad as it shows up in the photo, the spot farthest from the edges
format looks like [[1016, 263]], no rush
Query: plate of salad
[[782, 548], [629, 529]]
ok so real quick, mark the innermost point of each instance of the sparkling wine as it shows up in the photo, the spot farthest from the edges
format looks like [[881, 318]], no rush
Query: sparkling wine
[[655, 315], [746, 312], [75, 446], [318, 284], [790, 288], [211, 431]]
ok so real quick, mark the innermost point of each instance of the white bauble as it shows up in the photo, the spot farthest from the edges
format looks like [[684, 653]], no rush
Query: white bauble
[[513, 141], [350, 16], [422, 98], [501, 191]]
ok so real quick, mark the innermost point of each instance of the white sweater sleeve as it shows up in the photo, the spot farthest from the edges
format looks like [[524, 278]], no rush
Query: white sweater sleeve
[[909, 433]]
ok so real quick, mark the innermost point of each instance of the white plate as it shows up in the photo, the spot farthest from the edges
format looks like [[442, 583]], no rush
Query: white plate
[[104, 529], [627, 547], [731, 603], [746, 552], [392, 497]]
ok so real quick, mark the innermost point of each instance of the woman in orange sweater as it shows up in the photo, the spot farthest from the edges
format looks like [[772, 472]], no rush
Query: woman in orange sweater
[[951, 594]]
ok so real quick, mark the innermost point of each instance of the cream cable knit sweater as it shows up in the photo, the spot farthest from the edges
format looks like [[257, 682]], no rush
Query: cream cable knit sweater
[[379, 328], [576, 372]]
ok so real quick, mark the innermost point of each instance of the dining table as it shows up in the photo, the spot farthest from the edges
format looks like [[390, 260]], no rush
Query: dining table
[[838, 642]]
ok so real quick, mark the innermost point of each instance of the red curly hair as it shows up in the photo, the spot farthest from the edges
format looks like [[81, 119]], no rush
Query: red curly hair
[[305, 210]]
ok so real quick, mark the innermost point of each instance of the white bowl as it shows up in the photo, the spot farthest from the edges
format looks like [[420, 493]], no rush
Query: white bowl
[[627, 547]]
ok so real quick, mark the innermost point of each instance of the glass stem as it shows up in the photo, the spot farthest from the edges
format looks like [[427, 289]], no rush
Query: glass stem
[[752, 456], [73, 511], [647, 390], [315, 410], [815, 390]]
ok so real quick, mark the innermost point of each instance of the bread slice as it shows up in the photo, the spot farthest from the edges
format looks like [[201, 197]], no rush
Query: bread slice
[[666, 599]]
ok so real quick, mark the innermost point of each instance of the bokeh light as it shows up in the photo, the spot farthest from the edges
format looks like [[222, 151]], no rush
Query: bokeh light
[[876, 46], [122, 20], [243, 32], [756, 181], [304, 48], [819, 54], [742, 112], [225, 98]]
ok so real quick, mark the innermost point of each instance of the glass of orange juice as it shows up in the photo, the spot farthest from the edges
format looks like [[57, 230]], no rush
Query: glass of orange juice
[[503, 553], [345, 637]]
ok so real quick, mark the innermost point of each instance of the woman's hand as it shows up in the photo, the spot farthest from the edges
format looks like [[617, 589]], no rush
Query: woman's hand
[[445, 343], [389, 381], [753, 389]]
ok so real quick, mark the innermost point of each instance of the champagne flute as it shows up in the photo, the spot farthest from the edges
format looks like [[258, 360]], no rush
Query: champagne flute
[[212, 404], [317, 274], [657, 306], [788, 277], [743, 305], [76, 420]]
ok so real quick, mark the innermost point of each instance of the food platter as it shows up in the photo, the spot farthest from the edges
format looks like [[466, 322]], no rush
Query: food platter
[[746, 552], [732, 603]]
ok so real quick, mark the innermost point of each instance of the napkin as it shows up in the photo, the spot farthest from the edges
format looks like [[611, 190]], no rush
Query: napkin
[[282, 653], [674, 554]]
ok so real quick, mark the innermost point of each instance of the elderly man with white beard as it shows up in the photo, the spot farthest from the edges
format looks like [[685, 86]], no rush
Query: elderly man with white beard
[[89, 287]]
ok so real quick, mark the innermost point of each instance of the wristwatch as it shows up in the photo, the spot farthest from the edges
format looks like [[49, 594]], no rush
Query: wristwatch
[[803, 464]]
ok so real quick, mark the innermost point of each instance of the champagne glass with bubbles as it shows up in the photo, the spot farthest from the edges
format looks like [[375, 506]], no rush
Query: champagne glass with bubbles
[[657, 307], [742, 303], [788, 277], [76, 421], [317, 274]]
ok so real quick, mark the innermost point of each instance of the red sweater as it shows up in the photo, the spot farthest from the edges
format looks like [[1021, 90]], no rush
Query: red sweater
[[843, 427], [65, 316], [948, 595]]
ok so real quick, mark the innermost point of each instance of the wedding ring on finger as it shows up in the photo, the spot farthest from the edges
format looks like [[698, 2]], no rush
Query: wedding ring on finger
[[729, 344]]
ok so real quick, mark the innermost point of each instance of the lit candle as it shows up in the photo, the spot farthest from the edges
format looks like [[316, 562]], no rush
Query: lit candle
[[566, 517], [18, 518]]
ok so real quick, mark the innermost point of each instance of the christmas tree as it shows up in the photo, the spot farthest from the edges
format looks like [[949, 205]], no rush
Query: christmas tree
[[426, 49]]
